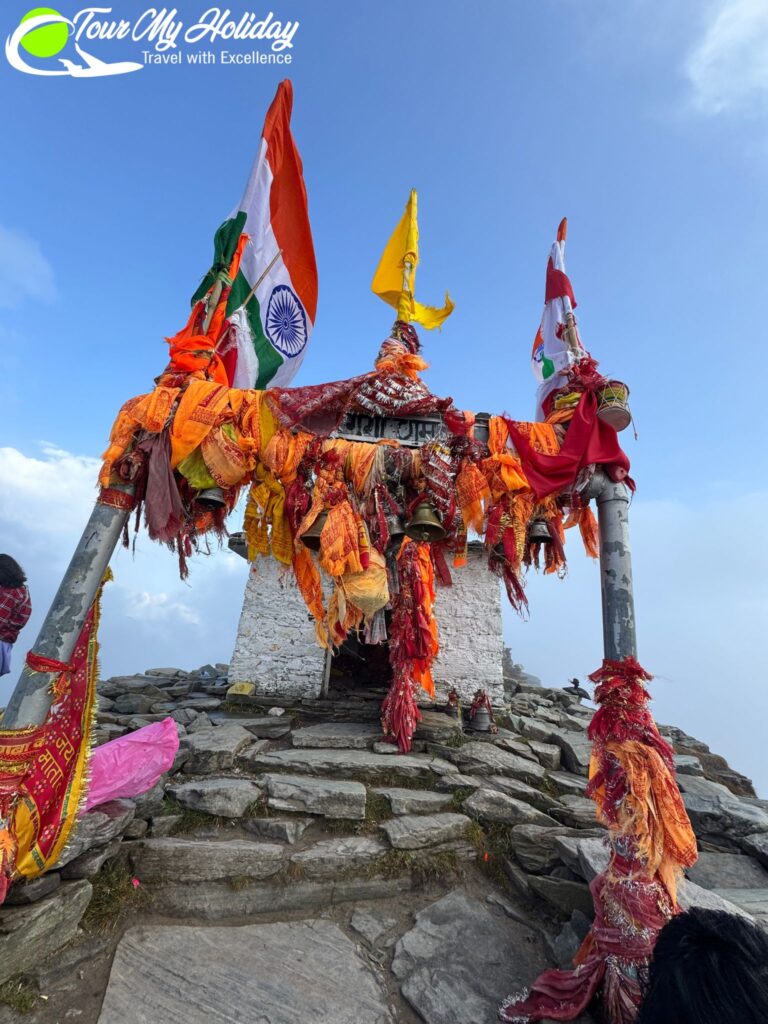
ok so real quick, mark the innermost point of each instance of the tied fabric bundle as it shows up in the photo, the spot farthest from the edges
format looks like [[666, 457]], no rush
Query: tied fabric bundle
[[44, 769], [651, 840]]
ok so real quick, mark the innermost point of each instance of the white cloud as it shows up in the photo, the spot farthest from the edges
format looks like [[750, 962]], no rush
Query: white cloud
[[728, 67], [149, 616], [25, 273]]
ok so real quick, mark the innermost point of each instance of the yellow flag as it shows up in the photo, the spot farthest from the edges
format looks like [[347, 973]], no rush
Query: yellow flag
[[395, 276]]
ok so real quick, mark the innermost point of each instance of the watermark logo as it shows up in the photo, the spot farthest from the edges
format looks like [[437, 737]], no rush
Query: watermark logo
[[44, 33], [37, 44]]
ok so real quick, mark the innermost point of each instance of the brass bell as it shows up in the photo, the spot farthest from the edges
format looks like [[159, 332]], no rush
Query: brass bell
[[425, 524], [311, 539], [538, 533], [210, 499]]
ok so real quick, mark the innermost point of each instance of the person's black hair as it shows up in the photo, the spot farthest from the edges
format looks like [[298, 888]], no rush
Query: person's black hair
[[11, 573], [708, 967]]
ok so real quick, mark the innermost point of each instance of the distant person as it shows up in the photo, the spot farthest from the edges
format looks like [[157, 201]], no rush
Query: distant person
[[15, 608], [708, 967]]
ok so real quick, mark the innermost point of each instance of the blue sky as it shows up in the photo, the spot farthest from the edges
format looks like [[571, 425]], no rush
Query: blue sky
[[644, 123]]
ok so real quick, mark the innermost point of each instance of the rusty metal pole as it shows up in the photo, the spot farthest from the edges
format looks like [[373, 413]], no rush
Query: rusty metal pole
[[31, 699], [619, 637]]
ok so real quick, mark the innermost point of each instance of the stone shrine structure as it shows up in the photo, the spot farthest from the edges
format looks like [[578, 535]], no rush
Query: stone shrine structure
[[279, 654]]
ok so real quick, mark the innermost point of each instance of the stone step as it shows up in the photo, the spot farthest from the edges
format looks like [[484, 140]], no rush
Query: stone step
[[478, 758], [332, 858], [264, 727], [181, 860], [492, 805], [360, 764], [215, 749], [414, 801], [422, 831], [331, 798], [337, 735], [225, 798]]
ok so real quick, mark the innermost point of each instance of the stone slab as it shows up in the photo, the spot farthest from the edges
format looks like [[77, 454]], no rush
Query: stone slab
[[282, 830], [491, 805], [487, 759], [180, 860], [353, 764], [215, 749], [691, 895], [30, 933], [420, 831], [225, 798], [97, 827], [587, 857], [330, 858], [337, 735], [414, 801], [713, 809], [281, 973], [462, 957], [536, 849], [728, 871], [331, 798], [373, 927]]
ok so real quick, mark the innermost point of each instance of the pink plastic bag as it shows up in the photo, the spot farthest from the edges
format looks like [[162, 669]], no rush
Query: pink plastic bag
[[132, 764]]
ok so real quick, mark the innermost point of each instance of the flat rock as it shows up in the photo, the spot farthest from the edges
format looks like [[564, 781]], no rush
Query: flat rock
[[688, 764], [461, 957], [200, 704], [575, 750], [436, 727], [548, 754], [30, 933], [212, 750], [414, 801], [752, 901], [354, 763], [264, 727], [384, 748], [563, 894], [522, 791], [532, 728], [419, 831], [22, 893], [512, 742], [587, 857], [283, 830], [535, 848], [488, 759], [728, 871], [713, 809], [492, 805], [371, 926], [757, 846], [331, 857], [450, 783], [225, 798], [275, 974], [691, 895], [88, 864], [567, 784], [134, 703], [337, 735], [200, 860], [331, 798], [97, 828], [151, 802], [576, 811], [167, 673]]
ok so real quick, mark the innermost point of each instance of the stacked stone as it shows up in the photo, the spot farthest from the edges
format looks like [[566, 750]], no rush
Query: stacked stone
[[274, 813]]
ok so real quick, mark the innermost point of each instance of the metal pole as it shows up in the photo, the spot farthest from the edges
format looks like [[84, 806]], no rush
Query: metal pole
[[619, 638], [31, 699]]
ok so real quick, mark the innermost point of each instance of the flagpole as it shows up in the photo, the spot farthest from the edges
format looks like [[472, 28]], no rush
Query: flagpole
[[271, 264]]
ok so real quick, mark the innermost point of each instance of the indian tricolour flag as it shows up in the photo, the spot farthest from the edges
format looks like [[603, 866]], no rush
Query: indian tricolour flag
[[552, 355], [271, 307]]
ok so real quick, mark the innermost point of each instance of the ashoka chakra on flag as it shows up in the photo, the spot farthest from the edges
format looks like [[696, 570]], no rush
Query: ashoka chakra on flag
[[286, 321]]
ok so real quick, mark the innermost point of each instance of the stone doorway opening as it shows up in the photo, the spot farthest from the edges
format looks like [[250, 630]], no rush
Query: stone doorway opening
[[359, 668]]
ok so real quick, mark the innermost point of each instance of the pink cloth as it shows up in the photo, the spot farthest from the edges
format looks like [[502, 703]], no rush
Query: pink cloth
[[132, 764]]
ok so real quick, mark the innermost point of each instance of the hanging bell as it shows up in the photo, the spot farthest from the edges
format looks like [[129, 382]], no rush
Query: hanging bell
[[538, 532], [424, 524], [395, 527], [311, 539], [210, 499]]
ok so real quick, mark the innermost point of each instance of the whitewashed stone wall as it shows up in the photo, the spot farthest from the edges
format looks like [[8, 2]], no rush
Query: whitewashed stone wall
[[469, 626], [276, 648]]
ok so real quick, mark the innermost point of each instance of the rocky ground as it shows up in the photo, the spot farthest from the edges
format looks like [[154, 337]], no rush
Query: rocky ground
[[292, 866]]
